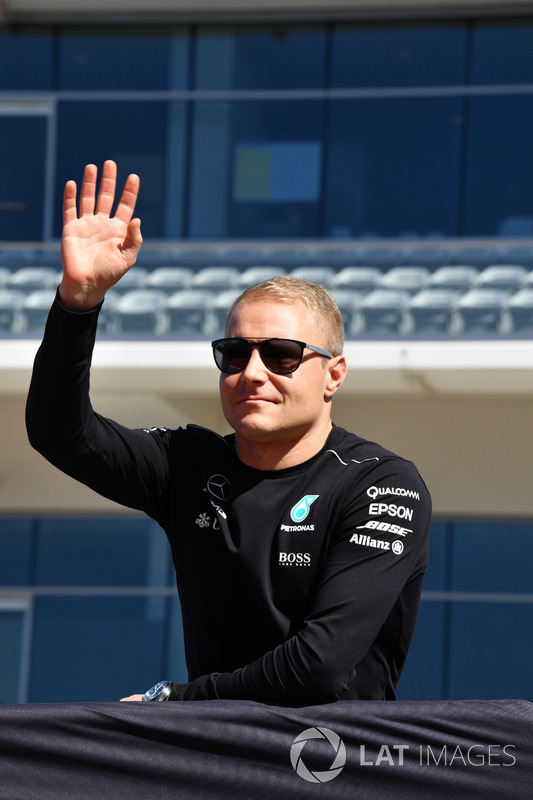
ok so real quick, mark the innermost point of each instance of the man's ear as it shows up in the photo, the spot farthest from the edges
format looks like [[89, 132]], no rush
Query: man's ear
[[337, 371]]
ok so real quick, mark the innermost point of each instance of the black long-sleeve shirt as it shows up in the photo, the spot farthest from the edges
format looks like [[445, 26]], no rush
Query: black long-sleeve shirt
[[298, 585]]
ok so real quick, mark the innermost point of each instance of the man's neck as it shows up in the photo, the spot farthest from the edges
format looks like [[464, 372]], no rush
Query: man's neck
[[274, 455]]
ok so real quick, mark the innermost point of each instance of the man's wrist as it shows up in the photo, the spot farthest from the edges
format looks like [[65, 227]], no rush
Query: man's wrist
[[79, 301]]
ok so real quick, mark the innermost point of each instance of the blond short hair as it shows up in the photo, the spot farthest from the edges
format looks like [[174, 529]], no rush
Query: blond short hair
[[288, 290]]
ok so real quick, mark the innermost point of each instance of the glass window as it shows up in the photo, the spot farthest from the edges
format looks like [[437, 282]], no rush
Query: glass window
[[142, 137], [97, 648], [499, 201], [270, 57], [393, 167], [26, 59], [256, 169], [101, 552], [370, 56], [501, 51], [132, 59], [16, 548]]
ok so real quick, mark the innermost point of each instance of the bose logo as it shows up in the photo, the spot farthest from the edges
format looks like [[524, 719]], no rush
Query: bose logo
[[295, 559]]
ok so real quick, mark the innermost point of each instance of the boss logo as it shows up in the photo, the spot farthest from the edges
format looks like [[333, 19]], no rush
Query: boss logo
[[295, 559]]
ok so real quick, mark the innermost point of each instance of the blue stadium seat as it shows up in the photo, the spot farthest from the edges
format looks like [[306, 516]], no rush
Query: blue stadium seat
[[382, 312], [169, 279], [11, 319], [141, 311], [216, 279], [33, 279], [405, 279], [5, 277], [360, 279], [456, 277], [189, 312], [35, 310], [258, 274], [480, 311], [134, 279], [432, 311], [219, 309], [322, 275], [347, 300], [509, 277], [520, 311]]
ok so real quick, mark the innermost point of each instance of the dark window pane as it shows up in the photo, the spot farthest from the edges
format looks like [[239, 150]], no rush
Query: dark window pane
[[101, 552], [256, 169], [368, 56], [502, 52], [25, 59], [393, 167], [498, 199], [275, 57], [122, 58], [144, 137], [16, 549], [97, 648]]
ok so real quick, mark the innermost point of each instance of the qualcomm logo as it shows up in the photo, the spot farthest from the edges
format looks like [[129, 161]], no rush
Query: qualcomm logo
[[327, 736], [300, 511]]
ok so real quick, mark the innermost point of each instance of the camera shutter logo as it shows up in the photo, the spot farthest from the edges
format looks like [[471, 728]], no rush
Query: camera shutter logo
[[333, 741]]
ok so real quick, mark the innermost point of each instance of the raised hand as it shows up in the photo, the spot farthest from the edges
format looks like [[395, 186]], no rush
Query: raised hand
[[96, 248]]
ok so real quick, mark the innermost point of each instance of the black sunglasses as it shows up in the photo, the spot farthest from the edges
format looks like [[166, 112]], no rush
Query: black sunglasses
[[280, 356]]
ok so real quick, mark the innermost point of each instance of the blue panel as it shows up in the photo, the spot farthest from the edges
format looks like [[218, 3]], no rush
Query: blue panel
[[501, 52], [393, 167], [492, 557], [22, 171], [11, 637], [398, 55], [96, 648], [499, 166], [26, 59], [423, 675], [134, 59], [491, 653], [16, 550], [101, 552], [174, 654], [143, 137], [437, 572], [260, 58]]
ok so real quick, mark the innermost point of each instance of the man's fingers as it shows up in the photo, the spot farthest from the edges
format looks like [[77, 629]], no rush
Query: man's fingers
[[69, 202], [88, 190], [106, 195], [128, 199]]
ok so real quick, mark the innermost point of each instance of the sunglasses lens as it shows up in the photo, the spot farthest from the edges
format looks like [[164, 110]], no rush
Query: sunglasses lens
[[281, 356], [231, 355]]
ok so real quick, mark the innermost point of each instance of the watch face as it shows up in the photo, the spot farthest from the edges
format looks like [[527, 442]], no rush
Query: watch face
[[155, 691]]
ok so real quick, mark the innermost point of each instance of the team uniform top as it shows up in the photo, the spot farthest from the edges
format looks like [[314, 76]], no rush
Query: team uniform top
[[298, 585]]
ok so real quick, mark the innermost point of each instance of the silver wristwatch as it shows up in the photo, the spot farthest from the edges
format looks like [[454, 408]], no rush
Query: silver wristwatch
[[161, 691]]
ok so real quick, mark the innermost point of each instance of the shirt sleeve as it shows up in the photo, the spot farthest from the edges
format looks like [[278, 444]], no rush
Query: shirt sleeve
[[362, 609], [124, 465]]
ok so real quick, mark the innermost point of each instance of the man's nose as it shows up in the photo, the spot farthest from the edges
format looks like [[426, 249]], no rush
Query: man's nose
[[254, 369]]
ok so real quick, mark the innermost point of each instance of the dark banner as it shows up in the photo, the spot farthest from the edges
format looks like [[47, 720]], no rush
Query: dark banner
[[228, 749]]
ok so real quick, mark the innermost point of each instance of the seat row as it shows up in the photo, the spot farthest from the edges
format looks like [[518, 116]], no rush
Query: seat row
[[411, 279], [197, 313]]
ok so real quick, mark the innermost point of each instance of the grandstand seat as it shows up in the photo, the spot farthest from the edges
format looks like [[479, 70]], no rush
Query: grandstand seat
[[189, 312], [11, 319], [520, 311], [359, 279], [432, 311], [382, 312], [215, 279], [322, 275], [5, 277], [141, 311], [456, 277], [481, 311], [106, 317], [258, 274], [347, 300], [135, 278], [33, 279], [35, 310], [219, 309], [405, 279], [169, 279], [509, 277]]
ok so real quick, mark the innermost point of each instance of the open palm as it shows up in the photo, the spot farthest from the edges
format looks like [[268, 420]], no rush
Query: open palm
[[97, 249]]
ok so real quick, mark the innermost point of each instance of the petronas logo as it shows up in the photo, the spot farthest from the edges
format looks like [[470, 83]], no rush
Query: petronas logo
[[300, 511]]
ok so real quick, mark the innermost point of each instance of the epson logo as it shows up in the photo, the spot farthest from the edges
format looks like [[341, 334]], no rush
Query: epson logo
[[295, 559], [378, 509]]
